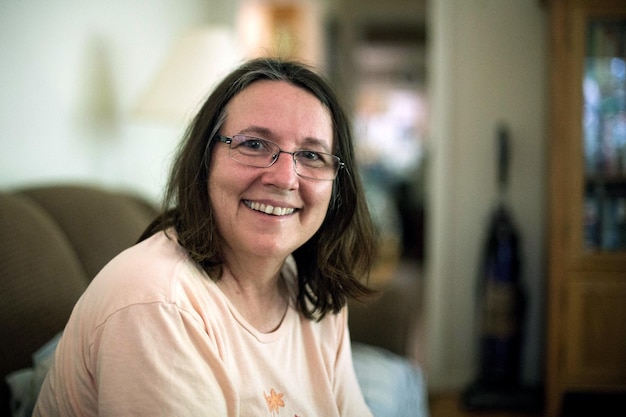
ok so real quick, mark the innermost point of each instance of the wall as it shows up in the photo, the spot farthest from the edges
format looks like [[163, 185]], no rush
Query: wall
[[487, 64], [72, 70]]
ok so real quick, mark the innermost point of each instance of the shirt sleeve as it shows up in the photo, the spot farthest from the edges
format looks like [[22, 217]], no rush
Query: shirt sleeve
[[154, 359]]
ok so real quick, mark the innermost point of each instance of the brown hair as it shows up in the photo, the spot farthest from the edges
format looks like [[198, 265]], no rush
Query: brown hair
[[335, 261]]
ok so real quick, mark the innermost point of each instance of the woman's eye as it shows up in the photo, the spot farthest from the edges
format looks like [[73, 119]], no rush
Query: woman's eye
[[311, 156], [254, 145]]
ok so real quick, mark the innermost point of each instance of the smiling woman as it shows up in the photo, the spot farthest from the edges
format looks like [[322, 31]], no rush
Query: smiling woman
[[240, 286]]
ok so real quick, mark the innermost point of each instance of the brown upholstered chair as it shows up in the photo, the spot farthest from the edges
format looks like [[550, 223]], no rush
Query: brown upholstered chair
[[54, 239]]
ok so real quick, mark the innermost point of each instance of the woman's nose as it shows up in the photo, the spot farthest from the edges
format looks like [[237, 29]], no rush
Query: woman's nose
[[282, 173]]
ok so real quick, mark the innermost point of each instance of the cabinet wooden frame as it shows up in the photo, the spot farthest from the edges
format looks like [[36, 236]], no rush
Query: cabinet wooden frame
[[586, 288]]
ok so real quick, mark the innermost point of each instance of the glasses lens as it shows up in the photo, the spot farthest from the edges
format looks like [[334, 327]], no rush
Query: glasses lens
[[316, 165], [253, 151]]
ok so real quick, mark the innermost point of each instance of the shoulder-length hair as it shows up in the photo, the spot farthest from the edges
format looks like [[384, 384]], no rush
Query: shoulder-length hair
[[335, 262]]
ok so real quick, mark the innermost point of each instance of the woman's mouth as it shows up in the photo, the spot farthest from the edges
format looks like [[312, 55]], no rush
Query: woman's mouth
[[268, 209]]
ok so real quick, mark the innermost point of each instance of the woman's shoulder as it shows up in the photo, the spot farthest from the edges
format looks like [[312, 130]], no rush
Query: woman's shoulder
[[158, 256], [151, 271]]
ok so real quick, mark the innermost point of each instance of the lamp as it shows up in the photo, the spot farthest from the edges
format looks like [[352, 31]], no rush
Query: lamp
[[199, 60]]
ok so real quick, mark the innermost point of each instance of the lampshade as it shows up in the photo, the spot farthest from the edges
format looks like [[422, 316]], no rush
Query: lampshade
[[199, 60]]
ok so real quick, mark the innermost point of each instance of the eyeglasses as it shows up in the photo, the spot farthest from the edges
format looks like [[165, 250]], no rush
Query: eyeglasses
[[262, 153]]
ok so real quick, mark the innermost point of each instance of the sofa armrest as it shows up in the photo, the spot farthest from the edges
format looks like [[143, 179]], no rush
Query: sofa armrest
[[390, 321]]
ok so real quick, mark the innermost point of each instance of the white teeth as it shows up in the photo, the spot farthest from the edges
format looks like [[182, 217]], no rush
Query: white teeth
[[267, 209]]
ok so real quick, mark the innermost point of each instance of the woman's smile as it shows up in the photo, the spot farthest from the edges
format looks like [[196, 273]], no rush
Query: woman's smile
[[269, 209]]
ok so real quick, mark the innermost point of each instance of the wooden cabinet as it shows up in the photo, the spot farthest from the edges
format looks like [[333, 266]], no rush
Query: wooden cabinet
[[586, 300]]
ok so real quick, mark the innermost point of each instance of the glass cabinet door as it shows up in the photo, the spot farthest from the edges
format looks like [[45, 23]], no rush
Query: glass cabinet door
[[586, 344], [604, 135]]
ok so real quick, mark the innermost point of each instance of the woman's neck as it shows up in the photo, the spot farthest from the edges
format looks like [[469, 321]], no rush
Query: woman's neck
[[262, 299]]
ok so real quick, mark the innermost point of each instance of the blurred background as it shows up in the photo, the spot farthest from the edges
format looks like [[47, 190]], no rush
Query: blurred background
[[100, 92]]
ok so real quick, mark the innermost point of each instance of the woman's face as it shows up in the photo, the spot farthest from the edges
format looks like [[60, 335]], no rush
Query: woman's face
[[294, 119]]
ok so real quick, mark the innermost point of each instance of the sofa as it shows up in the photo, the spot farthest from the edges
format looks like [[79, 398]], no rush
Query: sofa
[[55, 238]]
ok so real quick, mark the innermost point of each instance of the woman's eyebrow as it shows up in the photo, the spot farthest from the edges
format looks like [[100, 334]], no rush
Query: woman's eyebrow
[[266, 133], [257, 130], [315, 142]]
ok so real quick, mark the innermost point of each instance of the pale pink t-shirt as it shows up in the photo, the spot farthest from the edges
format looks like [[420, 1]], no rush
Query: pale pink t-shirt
[[154, 336]]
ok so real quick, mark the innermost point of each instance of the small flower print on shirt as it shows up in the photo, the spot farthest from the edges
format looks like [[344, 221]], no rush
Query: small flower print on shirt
[[274, 401]]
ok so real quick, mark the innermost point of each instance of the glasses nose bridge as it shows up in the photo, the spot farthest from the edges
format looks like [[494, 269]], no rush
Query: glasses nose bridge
[[276, 155]]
